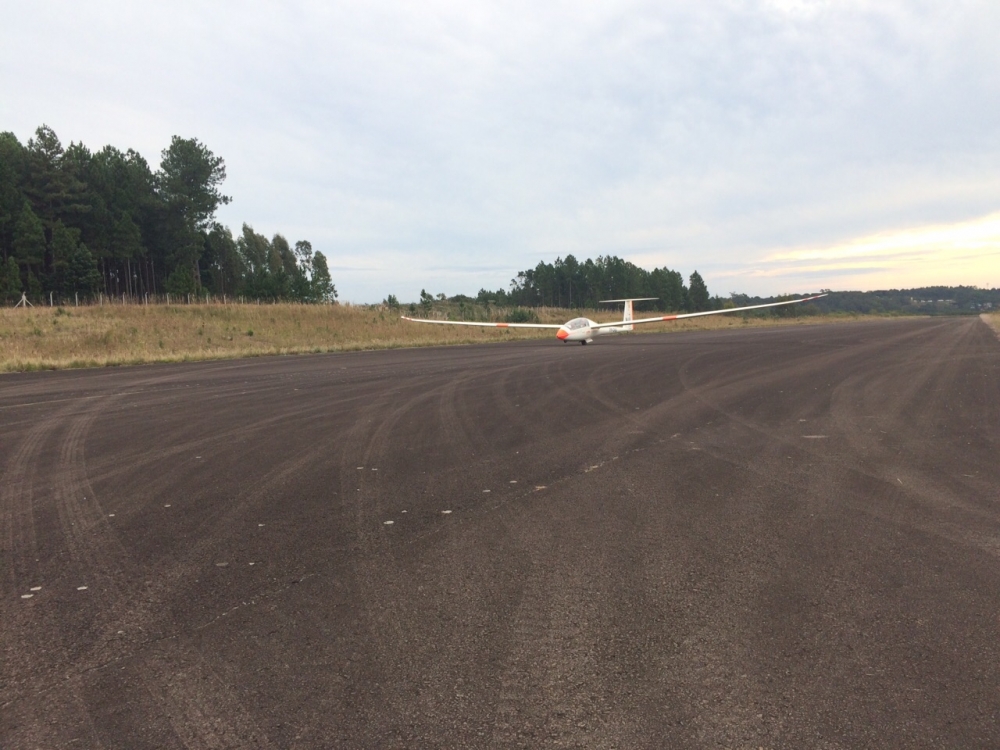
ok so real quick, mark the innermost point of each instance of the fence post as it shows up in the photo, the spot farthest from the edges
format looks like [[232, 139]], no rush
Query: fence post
[[76, 296]]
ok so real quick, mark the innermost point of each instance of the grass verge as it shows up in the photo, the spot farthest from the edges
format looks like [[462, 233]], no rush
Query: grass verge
[[101, 336], [993, 321]]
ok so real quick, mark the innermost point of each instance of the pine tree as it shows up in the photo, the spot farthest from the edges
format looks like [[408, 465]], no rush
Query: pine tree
[[52, 186], [29, 238], [10, 281], [81, 273], [63, 247], [126, 239], [11, 200], [697, 292]]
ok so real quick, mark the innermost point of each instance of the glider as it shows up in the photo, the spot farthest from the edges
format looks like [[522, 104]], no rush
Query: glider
[[584, 329]]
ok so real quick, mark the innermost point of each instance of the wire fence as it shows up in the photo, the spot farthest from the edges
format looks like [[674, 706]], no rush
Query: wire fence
[[53, 299]]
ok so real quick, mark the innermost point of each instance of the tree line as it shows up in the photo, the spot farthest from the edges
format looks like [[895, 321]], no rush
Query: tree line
[[928, 300], [75, 223], [568, 282]]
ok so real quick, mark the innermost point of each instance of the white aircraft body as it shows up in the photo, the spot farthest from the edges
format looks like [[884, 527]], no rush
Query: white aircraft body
[[584, 329]]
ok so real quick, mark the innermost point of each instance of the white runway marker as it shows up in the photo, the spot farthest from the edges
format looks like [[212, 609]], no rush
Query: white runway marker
[[402, 511], [251, 563], [360, 468], [167, 505], [814, 437], [221, 564], [513, 481], [446, 512], [26, 596], [81, 588], [388, 523], [35, 588], [111, 515], [485, 491], [259, 525]]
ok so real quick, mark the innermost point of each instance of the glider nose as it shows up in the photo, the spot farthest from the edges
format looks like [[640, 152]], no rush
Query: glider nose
[[561, 334]]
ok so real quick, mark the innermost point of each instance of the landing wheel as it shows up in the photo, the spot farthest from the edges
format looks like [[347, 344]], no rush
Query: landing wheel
[[584, 343]]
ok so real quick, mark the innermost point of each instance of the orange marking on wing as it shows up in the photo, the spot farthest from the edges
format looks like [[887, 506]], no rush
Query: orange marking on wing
[[670, 317], [502, 325]]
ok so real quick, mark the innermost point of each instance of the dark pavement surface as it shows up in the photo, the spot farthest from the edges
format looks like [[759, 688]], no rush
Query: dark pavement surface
[[752, 538]]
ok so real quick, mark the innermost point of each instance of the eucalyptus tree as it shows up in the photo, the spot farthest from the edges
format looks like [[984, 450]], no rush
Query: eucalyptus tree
[[321, 284]]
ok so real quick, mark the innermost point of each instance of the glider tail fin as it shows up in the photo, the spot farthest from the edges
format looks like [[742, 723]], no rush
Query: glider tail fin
[[627, 317]]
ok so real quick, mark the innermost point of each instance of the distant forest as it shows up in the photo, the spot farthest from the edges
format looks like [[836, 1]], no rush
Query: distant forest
[[76, 223], [571, 283], [928, 300]]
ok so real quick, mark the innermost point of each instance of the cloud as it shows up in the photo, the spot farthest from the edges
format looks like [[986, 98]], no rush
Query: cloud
[[467, 136], [961, 253]]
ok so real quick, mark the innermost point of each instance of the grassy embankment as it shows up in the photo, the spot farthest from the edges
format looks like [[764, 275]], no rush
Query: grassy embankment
[[95, 336]]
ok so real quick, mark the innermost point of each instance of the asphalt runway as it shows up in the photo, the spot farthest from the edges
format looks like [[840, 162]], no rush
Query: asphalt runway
[[778, 538]]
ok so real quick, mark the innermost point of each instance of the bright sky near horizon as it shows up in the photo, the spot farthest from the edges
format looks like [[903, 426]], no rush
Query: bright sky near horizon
[[775, 146]]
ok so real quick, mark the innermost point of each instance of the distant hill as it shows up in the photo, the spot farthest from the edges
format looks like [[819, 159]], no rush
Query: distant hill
[[931, 300]]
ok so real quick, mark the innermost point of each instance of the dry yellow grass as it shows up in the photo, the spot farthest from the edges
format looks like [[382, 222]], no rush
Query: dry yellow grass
[[47, 338], [993, 321]]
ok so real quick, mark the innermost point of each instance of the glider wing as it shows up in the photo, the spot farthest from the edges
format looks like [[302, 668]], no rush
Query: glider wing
[[662, 318], [481, 325]]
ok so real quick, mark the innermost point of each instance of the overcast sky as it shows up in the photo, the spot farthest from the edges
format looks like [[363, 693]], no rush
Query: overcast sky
[[779, 146]]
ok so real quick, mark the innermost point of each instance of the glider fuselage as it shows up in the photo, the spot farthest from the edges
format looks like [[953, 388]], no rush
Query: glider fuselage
[[583, 330]]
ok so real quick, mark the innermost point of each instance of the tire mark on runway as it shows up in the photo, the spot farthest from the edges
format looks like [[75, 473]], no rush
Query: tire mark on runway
[[17, 498], [551, 648], [384, 586], [388, 589], [202, 707], [113, 466], [23, 622], [545, 604], [77, 525], [909, 381], [98, 558]]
